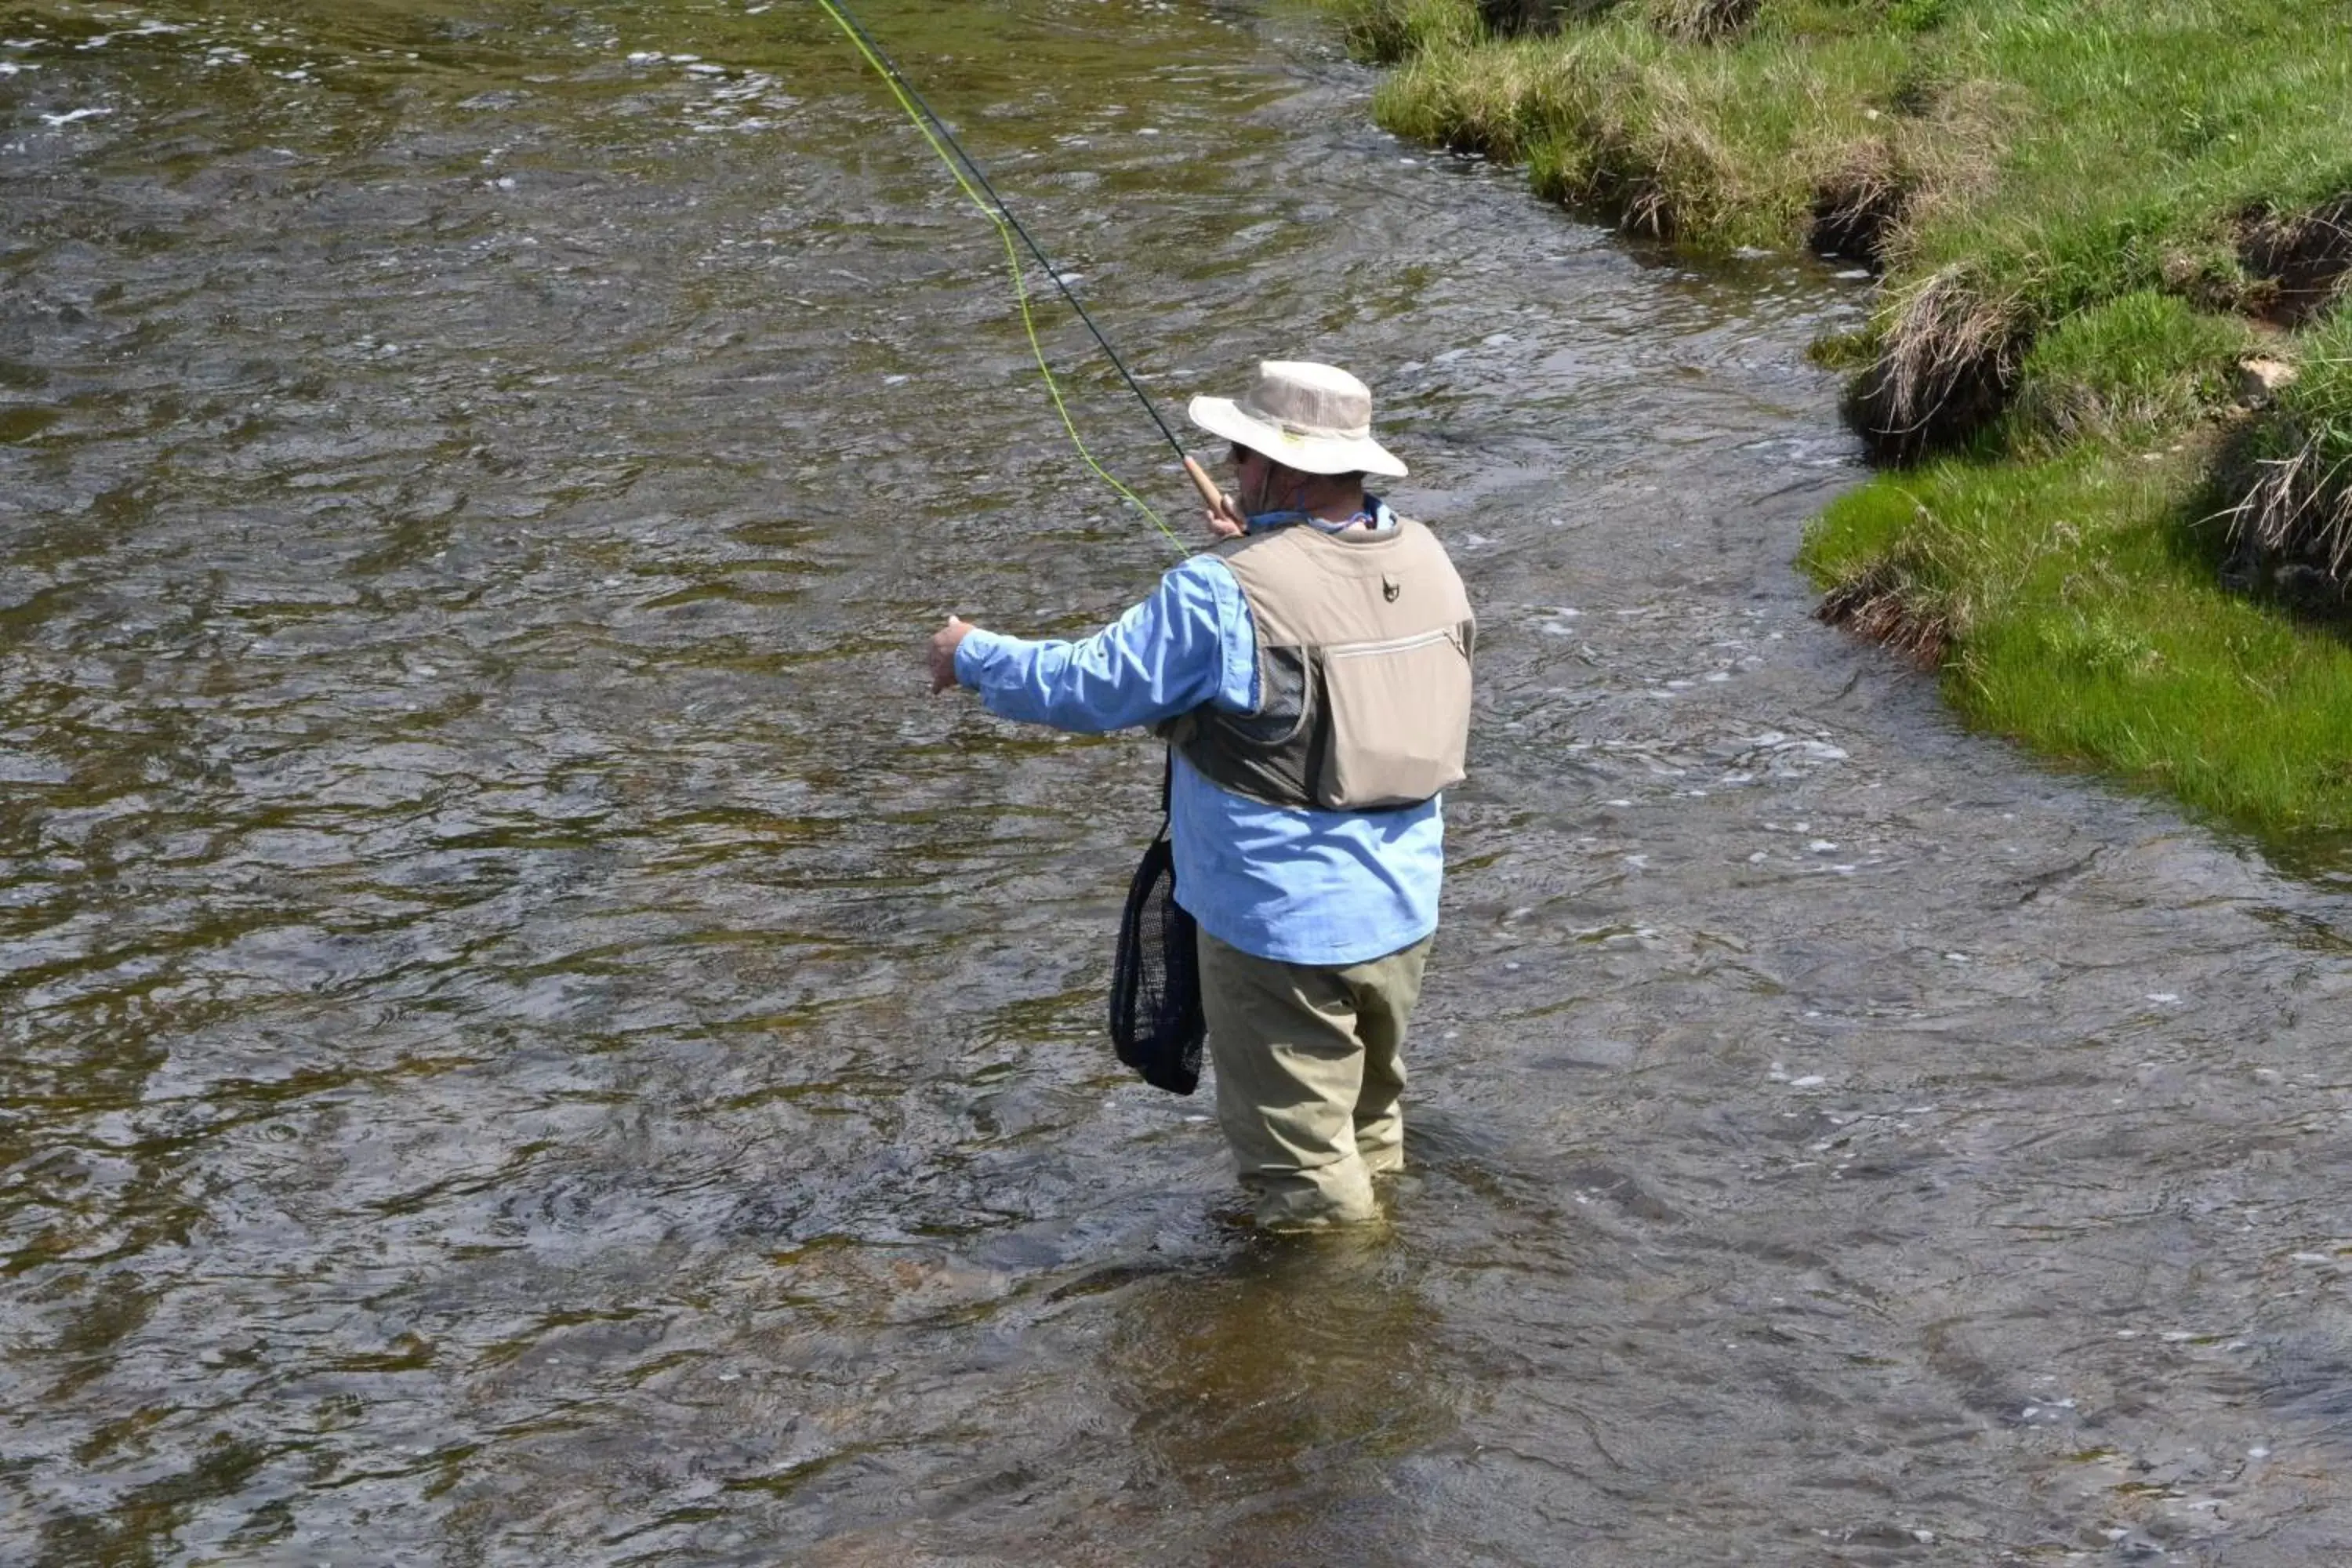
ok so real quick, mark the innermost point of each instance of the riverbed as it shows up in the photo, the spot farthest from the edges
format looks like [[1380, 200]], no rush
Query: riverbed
[[526, 1036]]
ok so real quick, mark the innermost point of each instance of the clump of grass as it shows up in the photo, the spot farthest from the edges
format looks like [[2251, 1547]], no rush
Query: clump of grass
[[2303, 257], [1845, 351], [2291, 524], [2129, 372], [1495, 103], [1859, 199], [1702, 21], [1387, 31], [1893, 604], [1718, 147], [1947, 354]]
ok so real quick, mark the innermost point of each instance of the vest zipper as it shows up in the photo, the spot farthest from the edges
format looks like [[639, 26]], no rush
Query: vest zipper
[[1394, 645]]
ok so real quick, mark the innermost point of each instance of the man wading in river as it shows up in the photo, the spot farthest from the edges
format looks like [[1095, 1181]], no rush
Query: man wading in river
[[1311, 674]]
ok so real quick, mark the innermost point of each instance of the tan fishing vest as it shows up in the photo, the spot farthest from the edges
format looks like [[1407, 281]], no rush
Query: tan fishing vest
[[1364, 644]]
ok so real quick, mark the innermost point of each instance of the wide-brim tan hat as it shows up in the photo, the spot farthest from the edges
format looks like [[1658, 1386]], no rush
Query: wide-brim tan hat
[[1316, 418]]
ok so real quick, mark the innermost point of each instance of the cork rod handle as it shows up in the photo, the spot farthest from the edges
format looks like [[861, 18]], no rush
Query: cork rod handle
[[1217, 500]]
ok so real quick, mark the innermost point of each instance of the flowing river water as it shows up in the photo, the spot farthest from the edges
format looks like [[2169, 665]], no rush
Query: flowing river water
[[527, 1037]]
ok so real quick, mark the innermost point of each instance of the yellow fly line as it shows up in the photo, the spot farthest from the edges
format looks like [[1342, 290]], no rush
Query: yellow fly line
[[996, 215]]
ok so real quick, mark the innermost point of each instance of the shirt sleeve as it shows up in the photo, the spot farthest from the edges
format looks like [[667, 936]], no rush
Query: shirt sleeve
[[1191, 642]]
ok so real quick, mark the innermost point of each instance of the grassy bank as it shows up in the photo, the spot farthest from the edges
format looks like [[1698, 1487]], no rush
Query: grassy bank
[[2118, 543]]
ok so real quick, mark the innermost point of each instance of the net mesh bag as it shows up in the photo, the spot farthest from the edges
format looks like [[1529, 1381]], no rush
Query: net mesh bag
[[1156, 1024]]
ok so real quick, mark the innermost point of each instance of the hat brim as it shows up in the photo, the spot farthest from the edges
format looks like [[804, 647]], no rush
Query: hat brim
[[1307, 454]]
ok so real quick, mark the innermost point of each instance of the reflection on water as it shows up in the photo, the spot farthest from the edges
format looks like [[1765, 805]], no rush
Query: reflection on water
[[1291, 1378], [525, 1038]]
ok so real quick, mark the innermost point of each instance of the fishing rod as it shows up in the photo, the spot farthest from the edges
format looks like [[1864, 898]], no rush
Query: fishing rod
[[974, 182]]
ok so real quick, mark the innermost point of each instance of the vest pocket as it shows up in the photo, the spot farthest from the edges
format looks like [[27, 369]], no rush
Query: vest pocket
[[1399, 716]]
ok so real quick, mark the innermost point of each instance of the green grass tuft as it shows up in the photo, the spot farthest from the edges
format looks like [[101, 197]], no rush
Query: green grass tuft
[[2129, 372], [1386, 31], [2292, 483]]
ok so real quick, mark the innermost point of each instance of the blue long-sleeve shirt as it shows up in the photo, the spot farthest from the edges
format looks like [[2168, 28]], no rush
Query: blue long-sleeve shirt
[[1304, 887]]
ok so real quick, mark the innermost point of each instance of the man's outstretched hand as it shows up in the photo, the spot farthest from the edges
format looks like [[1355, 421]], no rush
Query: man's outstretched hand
[[943, 649]]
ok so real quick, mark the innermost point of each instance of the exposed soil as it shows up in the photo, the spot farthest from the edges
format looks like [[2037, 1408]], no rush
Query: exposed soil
[[1878, 606], [1856, 208], [2302, 258]]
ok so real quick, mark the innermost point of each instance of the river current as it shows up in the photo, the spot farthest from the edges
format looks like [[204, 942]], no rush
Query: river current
[[527, 1037]]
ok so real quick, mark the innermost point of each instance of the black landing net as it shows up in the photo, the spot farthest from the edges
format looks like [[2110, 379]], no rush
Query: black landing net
[[1156, 1022]]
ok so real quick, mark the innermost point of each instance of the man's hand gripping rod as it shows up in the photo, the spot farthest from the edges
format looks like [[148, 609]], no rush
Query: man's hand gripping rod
[[1219, 504]]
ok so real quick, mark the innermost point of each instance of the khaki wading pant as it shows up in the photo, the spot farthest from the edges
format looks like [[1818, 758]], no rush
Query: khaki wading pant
[[1310, 1075]]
